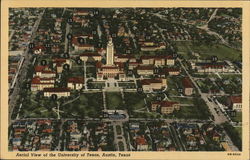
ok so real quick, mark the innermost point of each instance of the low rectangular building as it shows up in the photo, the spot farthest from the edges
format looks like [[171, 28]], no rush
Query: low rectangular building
[[187, 86], [235, 103], [124, 58], [75, 83], [90, 57], [211, 67], [59, 92], [44, 72], [145, 70], [38, 84], [153, 84], [165, 107], [141, 143]]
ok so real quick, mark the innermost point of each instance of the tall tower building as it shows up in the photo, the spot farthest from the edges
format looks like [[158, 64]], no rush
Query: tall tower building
[[110, 53]]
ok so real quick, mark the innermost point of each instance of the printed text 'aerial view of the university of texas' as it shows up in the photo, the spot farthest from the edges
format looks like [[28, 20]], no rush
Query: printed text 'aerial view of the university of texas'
[[125, 79]]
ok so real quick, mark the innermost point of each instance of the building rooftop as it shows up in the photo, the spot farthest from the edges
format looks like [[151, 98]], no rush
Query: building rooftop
[[236, 99], [76, 80], [149, 81], [157, 57], [186, 82], [140, 140], [148, 67], [88, 54], [56, 89], [38, 80]]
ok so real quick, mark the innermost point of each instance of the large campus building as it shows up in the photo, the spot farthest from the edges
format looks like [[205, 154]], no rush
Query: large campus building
[[110, 69]]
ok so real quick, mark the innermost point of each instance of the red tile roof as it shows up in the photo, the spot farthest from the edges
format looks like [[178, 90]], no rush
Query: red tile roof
[[119, 64], [186, 82], [145, 67], [75, 42], [40, 68], [109, 67], [213, 66], [157, 57], [48, 72], [149, 81], [56, 89], [88, 54], [59, 60], [141, 141], [76, 80], [236, 99], [44, 69], [135, 63], [99, 64], [39, 47], [38, 80]]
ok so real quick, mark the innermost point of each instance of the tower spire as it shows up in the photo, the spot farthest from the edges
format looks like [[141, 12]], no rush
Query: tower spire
[[110, 53]]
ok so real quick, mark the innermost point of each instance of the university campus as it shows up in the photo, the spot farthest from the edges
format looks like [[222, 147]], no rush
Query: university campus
[[125, 79]]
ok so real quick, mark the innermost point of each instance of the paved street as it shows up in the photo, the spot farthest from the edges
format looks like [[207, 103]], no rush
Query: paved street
[[119, 137], [22, 72], [218, 118], [66, 41]]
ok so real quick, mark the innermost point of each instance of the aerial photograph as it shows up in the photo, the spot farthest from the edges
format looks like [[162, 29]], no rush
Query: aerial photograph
[[125, 79]]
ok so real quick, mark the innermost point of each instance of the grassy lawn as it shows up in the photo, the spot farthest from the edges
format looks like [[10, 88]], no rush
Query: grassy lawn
[[87, 105], [231, 84], [238, 117], [198, 111], [206, 85], [118, 130], [76, 69], [182, 100], [113, 100], [46, 58], [91, 71], [134, 100], [172, 87], [239, 130], [127, 85], [96, 85], [231, 76], [121, 146], [221, 51], [37, 108], [204, 75], [187, 112]]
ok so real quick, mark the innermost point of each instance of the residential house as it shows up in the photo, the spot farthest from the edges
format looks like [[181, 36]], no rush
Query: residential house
[[141, 143]]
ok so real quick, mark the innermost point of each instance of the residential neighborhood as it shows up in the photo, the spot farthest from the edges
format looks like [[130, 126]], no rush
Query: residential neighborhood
[[125, 79]]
